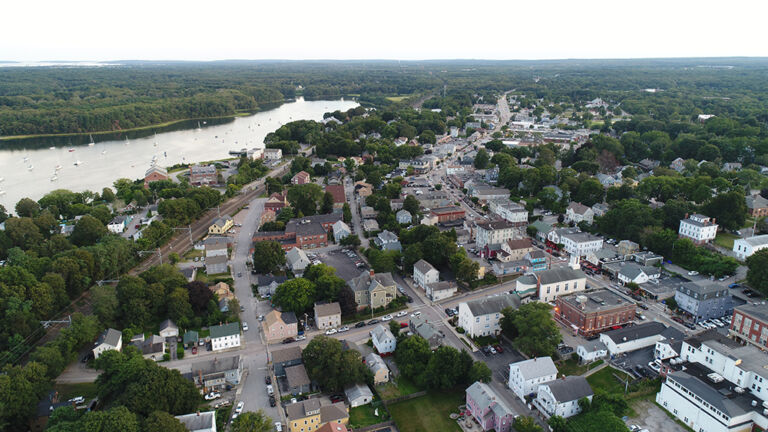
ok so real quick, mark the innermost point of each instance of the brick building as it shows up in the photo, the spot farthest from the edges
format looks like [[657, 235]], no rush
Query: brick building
[[447, 214], [276, 202], [202, 175], [305, 233], [593, 312], [750, 325], [155, 173]]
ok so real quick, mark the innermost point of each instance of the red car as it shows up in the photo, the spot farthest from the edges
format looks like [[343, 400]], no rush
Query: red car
[[403, 324], [194, 350], [498, 348]]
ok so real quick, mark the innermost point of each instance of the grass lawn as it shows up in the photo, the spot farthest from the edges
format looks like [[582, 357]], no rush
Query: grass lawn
[[725, 239], [428, 413], [364, 415], [605, 380], [401, 387], [572, 366], [68, 391], [191, 254], [397, 98]]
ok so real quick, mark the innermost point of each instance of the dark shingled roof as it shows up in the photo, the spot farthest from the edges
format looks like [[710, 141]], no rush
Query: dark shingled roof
[[570, 388], [636, 332]]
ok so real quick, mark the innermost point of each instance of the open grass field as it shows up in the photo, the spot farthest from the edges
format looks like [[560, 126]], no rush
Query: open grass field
[[428, 413], [605, 380], [725, 239], [572, 366], [397, 98], [401, 387]]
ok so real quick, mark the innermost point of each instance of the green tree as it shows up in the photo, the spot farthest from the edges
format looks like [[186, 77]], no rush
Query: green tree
[[273, 185], [332, 368], [394, 328], [160, 421], [411, 205], [27, 208], [757, 273], [114, 419], [352, 240], [412, 355], [327, 206], [532, 328], [730, 209], [482, 159], [268, 256], [252, 422], [305, 198], [346, 213], [557, 423], [447, 368], [88, 230], [296, 295], [590, 192], [526, 424], [480, 372]]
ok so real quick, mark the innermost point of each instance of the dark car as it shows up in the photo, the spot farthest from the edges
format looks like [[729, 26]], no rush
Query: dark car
[[678, 319], [486, 349], [360, 324], [642, 306], [373, 321], [272, 402], [410, 299], [288, 340], [449, 312], [268, 380], [337, 398], [690, 326]]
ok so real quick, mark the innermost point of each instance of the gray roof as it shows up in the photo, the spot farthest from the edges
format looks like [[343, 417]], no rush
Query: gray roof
[[425, 329], [295, 255], [216, 259], [375, 362], [640, 331], [198, 421], [216, 365], [168, 324], [440, 286], [403, 214], [756, 202], [289, 317], [704, 291], [382, 333], [756, 311], [560, 275], [366, 282], [264, 280], [286, 354], [333, 412], [536, 367], [491, 305], [217, 240], [110, 337], [327, 309], [594, 345], [541, 226], [191, 336], [708, 393], [300, 409], [597, 300], [297, 376], [632, 270], [581, 237], [229, 329], [495, 225], [485, 396], [221, 221], [358, 390], [578, 207], [423, 266], [570, 388], [756, 240]]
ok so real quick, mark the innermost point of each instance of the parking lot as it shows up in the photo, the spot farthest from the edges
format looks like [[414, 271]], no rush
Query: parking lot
[[344, 265], [630, 361], [499, 362]]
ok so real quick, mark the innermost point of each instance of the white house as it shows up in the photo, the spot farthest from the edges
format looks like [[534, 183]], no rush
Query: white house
[[581, 243], [383, 340], [509, 211], [225, 336], [109, 339], [403, 217], [745, 247], [118, 224], [591, 351], [631, 272], [273, 154], [424, 274], [340, 230], [578, 212], [559, 281], [168, 329], [698, 228], [199, 422], [358, 395], [526, 376], [632, 338], [561, 396], [494, 232], [481, 317], [440, 290], [297, 260]]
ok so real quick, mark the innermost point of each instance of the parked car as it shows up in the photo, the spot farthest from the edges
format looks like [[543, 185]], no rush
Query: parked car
[[654, 366], [337, 398], [272, 401], [642, 306], [77, 400], [734, 285], [492, 350], [415, 314], [270, 390], [330, 331], [245, 326], [403, 324], [360, 324], [402, 314], [373, 321], [239, 407], [343, 329], [194, 350], [693, 273], [449, 312], [267, 380], [212, 396], [498, 348], [288, 340], [300, 337], [387, 317]]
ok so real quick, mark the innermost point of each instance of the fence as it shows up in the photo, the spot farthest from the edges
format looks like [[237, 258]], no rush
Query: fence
[[377, 426], [406, 397]]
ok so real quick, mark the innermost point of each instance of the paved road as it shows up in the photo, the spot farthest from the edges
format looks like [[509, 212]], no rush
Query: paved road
[[354, 205]]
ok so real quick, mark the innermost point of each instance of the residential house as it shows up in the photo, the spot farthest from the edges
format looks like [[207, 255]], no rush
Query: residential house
[[437, 291], [487, 193], [555, 235], [190, 338], [424, 274], [648, 164], [509, 211], [678, 165], [422, 327], [561, 396], [225, 336], [600, 209], [698, 228], [367, 212], [109, 339], [217, 373], [383, 340], [153, 174], [297, 260], [757, 206], [280, 325], [358, 395], [168, 329], [387, 240], [268, 284], [199, 421], [732, 166], [333, 426], [297, 380], [559, 281], [403, 217], [221, 225], [203, 175], [373, 290], [591, 351], [745, 247], [578, 212], [631, 272], [216, 265], [327, 315], [339, 198], [594, 312], [363, 189], [370, 225], [301, 177], [537, 260], [493, 233], [378, 368], [526, 376], [308, 415], [272, 154], [222, 291], [481, 317], [703, 302], [627, 247], [286, 357], [542, 230], [488, 408], [276, 202], [151, 348], [750, 325], [118, 224], [515, 249], [340, 230], [632, 338], [267, 216], [213, 249]]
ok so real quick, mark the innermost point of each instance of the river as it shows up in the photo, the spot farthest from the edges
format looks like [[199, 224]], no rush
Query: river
[[27, 166]]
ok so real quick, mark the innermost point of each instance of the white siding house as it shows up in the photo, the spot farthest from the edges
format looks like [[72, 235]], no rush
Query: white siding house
[[745, 247], [424, 274], [481, 317], [698, 228], [225, 336], [526, 376], [383, 340], [561, 397]]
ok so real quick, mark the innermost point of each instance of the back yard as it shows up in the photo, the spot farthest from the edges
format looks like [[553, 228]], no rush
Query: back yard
[[428, 413]]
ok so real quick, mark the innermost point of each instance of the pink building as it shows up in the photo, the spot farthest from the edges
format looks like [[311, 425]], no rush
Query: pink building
[[488, 408]]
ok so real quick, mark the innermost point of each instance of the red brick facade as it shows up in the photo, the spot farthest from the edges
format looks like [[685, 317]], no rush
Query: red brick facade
[[749, 326], [592, 322], [154, 176], [448, 214]]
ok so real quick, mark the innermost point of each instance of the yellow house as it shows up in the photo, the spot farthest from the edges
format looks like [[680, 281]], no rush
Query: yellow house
[[221, 225], [308, 415]]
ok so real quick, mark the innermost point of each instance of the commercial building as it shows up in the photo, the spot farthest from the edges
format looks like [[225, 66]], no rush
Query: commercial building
[[581, 243], [153, 174], [750, 325], [703, 302], [509, 211], [481, 317], [633, 338], [591, 313], [553, 283], [445, 215], [221, 225], [200, 175], [309, 232], [493, 233], [698, 228]]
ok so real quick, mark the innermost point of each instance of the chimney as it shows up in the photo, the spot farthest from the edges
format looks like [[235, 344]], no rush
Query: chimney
[[686, 216], [372, 273], [198, 413]]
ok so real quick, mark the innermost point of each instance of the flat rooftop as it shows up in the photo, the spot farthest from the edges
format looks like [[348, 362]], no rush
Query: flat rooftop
[[597, 301]]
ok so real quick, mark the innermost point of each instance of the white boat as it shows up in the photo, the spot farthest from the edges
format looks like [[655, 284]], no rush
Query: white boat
[[155, 139], [126, 141], [30, 167], [2, 179], [71, 149], [2, 192], [58, 167], [51, 148], [77, 163], [91, 144], [54, 178], [25, 158]]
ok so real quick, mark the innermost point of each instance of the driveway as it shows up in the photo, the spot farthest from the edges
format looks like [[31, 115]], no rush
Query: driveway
[[653, 418]]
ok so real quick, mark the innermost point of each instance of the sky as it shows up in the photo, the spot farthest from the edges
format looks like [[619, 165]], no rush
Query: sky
[[99, 30]]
